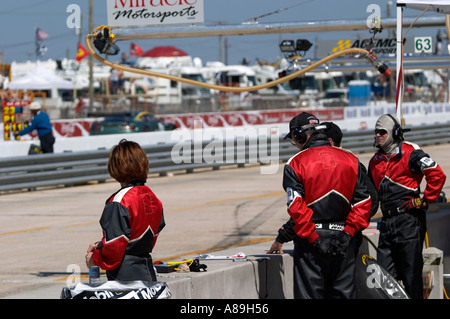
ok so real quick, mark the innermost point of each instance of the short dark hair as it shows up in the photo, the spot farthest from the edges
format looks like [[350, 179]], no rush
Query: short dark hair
[[128, 162], [334, 132]]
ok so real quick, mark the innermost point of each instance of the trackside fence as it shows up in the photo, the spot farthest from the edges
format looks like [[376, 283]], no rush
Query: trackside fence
[[72, 168]]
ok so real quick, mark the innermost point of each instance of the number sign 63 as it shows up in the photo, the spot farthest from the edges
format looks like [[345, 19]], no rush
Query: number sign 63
[[423, 45]]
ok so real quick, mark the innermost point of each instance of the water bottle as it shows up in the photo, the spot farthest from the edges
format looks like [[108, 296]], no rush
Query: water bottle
[[94, 275]]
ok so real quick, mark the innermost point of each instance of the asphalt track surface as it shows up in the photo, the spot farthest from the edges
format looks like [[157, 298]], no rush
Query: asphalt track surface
[[44, 234]]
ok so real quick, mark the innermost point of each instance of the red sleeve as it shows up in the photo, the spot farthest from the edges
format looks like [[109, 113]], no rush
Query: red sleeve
[[302, 216], [116, 234], [361, 205], [435, 178], [359, 216], [421, 163], [297, 209]]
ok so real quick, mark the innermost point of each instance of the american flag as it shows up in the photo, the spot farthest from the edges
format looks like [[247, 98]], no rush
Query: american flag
[[40, 35]]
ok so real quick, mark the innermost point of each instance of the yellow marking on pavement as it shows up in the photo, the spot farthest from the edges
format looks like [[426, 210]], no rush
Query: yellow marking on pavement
[[82, 224], [227, 200], [171, 210], [24, 231]]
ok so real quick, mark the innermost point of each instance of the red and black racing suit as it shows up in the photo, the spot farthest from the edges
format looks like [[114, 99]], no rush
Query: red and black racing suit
[[131, 221], [402, 229], [327, 194], [286, 232]]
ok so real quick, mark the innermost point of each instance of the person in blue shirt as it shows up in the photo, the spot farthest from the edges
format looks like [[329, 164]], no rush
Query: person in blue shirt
[[40, 123]]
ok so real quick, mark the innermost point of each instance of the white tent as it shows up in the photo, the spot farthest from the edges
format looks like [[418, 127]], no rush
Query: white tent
[[441, 6], [40, 79]]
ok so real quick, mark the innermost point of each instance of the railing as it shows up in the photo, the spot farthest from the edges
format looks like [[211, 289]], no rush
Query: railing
[[68, 169]]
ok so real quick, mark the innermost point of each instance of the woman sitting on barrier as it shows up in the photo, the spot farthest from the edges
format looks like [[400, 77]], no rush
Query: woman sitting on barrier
[[131, 220]]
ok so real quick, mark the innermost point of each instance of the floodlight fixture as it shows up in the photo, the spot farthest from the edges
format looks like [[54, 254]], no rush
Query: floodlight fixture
[[303, 45], [287, 46], [104, 41]]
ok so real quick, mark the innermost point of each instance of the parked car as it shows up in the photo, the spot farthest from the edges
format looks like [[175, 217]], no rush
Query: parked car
[[129, 123], [335, 97]]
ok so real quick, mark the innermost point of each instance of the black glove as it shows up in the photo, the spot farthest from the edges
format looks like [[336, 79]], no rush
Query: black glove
[[197, 266], [321, 245], [339, 244]]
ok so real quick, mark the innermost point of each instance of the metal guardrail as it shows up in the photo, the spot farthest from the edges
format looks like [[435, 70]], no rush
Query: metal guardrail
[[68, 169]]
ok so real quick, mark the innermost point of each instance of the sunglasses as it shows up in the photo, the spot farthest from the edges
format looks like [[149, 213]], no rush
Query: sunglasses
[[381, 132]]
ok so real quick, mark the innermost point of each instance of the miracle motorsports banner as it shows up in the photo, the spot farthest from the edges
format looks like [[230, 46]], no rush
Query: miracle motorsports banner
[[138, 13]]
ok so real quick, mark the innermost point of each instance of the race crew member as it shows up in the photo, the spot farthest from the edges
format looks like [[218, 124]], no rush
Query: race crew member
[[40, 123], [329, 201], [286, 232], [131, 220], [397, 170]]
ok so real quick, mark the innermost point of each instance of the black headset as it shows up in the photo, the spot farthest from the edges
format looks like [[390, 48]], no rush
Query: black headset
[[299, 135], [397, 130]]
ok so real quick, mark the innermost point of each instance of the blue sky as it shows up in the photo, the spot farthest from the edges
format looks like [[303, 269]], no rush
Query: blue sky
[[18, 20]]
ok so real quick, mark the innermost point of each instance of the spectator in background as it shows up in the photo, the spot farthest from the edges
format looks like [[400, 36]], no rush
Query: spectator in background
[[40, 123]]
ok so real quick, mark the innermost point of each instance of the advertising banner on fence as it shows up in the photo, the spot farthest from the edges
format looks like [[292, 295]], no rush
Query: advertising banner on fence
[[140, 13], [243, 118], [381, 46]]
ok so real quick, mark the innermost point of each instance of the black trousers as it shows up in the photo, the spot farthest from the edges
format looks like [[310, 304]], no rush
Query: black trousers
[[133, 268], [319, 276], [47, 142], [400, 249]]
